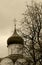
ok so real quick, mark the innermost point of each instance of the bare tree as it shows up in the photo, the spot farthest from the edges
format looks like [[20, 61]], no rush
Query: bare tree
[[32, 20]]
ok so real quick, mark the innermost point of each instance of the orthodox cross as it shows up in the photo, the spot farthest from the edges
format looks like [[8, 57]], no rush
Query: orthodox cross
[[14, 25]]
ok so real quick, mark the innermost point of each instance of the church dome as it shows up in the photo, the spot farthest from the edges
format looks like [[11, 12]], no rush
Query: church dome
[[15, 39]]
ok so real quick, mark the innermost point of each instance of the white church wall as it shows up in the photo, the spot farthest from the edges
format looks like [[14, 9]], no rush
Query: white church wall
[[15, 49], [6, 61], [21, 62]]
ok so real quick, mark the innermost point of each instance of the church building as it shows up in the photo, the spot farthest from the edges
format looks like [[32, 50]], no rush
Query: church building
[[15, 45]]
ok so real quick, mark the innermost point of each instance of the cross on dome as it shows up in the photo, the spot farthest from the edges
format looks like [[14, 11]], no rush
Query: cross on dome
[[14, 26]]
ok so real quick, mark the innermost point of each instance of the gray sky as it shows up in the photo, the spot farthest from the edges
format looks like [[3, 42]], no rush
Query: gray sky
[[9, 9]]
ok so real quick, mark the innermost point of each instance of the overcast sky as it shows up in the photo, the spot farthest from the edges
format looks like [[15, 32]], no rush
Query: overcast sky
[[9, 9]]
